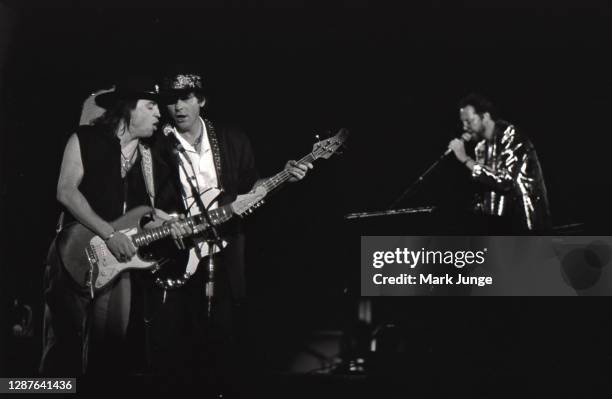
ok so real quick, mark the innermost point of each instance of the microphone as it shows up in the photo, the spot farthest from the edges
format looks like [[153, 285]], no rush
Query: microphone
[[465, 137], [178, 147], [169, 132]]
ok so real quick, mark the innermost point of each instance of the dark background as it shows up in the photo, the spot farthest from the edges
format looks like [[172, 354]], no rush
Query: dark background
[[285, 71]]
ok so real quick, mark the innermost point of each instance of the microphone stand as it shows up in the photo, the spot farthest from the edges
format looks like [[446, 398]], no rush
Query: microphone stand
[[412, 188], [216, 239]]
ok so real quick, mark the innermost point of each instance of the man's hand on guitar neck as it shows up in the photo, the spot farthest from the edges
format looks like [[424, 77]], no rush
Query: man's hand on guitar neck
[[297, 170], [178, 227]]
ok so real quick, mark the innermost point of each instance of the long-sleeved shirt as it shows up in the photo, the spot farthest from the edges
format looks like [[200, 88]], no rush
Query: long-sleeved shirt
[[512, 180]]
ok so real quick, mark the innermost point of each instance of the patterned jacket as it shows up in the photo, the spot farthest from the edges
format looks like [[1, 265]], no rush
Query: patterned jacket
[[511, 178]]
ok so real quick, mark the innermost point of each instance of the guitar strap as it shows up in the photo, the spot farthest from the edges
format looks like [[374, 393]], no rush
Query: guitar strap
[[147, 171], [214, 146]]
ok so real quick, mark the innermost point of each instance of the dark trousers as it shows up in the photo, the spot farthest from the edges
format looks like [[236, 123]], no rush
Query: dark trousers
[[80, 334], [180, 337]]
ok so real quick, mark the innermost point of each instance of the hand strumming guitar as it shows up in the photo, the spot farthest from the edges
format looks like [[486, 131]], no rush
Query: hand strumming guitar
[[120, 246]]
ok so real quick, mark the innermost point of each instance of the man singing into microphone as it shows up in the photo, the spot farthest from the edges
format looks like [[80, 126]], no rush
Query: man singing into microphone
[[217, 163], [506, 166]]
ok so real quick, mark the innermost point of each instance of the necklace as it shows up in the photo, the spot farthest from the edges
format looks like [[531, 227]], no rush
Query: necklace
[[198, 141], [126, 162]]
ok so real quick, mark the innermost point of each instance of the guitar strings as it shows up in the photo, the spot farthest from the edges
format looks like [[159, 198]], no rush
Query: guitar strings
[[278, 179]]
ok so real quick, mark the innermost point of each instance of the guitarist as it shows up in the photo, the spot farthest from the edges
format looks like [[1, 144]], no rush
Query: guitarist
[[101, 177], [213, 158]]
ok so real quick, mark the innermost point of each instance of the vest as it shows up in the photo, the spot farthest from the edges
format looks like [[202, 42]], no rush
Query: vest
[[102, 184]]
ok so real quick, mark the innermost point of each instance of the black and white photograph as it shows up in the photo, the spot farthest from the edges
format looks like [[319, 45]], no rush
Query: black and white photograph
[[300, 199]]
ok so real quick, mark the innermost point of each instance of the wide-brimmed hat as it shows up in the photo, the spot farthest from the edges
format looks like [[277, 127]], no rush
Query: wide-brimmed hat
[[132, 88], [181, 83]]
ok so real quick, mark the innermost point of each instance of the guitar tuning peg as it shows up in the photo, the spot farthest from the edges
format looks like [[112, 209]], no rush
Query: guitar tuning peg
[[317, 137]]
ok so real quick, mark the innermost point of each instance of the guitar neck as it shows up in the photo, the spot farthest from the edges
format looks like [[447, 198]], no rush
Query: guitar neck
[[217, 216], [283, 176]]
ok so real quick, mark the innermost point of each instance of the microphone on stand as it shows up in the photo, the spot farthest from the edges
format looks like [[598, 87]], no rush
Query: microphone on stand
[[466, 137], [209, 286], [175, 143]]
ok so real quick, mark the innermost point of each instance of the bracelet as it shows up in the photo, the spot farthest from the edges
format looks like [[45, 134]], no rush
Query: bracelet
[[109, 236]]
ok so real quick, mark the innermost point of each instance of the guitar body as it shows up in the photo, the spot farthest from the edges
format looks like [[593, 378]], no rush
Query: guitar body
[[91, 264]]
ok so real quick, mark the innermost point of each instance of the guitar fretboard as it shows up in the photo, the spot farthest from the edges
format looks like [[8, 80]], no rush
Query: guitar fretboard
[[217, 216], [283, 176]]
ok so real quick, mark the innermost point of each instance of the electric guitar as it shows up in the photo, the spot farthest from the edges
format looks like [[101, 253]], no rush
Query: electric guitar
[[91, 264]]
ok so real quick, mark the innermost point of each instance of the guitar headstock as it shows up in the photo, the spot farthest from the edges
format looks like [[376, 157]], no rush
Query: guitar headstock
[[246, 203], [326, 148]]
